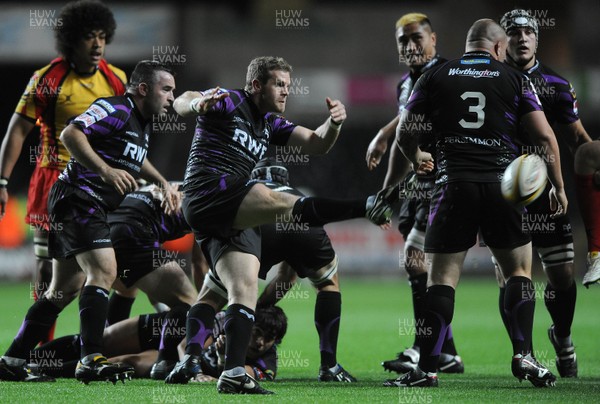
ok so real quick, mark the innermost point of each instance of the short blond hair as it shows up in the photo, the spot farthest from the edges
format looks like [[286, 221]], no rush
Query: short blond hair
[[412, 18]]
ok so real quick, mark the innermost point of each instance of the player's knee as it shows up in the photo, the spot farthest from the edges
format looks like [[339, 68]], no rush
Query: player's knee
[[326, 277], [499, 275], [412, 258], [281, 202], [558, 257]]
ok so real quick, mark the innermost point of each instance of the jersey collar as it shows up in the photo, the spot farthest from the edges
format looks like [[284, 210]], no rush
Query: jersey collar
[[533, 68], [478, 53]]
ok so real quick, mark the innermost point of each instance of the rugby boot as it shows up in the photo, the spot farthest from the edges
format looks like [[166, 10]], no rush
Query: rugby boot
[[566, 359], [242, 384], [414, 378], [96, 367], [335, 374], [528, 368], [185, 370]]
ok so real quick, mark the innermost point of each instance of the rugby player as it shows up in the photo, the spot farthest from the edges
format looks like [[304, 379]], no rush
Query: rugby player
[[223, 206], [136, 342], [467, 101], [306, 254], [554, 244], [101, 171], [57, 93], [416, 43]]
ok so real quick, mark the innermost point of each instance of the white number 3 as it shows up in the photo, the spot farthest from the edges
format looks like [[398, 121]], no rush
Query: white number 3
[[478, 109]]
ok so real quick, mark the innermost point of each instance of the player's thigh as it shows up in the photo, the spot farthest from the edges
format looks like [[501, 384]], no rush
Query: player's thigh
[[262, 205], [168, 284]]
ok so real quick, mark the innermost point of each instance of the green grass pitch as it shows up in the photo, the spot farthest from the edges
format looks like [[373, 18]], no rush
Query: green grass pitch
[[376, 323]]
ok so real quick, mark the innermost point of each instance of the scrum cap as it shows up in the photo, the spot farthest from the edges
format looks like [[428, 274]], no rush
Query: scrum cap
[[519, 18]]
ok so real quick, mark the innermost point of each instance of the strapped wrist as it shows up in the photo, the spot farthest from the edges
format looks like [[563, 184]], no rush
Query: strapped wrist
[[335, 125], [194, 103], [3, 182]]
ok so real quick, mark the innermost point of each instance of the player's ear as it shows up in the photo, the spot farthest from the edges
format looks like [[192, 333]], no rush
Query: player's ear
[[256, 86], [143, 89], [433, 38], [497, 50]]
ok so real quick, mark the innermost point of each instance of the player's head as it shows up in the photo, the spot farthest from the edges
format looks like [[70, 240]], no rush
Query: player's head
[[486, 35], [87, 26], [268, 169], [268, 80], [415, 39], [269, 328], [522, 30], [152, 83]]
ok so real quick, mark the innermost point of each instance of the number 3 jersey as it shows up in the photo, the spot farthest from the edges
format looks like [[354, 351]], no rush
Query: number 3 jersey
[[231, 137], [474, 105], [119, 134]]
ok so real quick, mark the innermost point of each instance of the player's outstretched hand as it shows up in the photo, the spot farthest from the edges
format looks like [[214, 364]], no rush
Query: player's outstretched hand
[[121, 180], [171, 201], [558, 202], [337, 110], [376, 150], [208, 100]]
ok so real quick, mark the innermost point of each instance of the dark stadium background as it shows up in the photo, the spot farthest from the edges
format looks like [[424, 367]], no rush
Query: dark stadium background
[[338, 48]]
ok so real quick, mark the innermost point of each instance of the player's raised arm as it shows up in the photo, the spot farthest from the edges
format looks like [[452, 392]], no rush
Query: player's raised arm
[[198, 103], [322, 139]]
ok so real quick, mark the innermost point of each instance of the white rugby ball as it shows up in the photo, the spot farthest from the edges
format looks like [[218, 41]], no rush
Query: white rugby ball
[[524, 180]]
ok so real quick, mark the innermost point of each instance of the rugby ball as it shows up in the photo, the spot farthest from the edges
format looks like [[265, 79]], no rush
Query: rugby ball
[[524, 180]]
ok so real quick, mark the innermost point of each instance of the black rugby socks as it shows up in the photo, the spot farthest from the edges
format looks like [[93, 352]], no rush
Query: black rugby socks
[[561, 306], [172, 332], [328, 309], [200, 322], [320, 211], [519, 305], [39, 319], [438, 313], [239, 320], [93, 308], [418, 286], [119, 308]]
